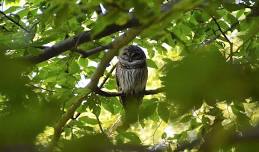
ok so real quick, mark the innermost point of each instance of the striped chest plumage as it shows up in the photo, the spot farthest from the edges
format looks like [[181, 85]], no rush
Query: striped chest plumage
[[131, 80]]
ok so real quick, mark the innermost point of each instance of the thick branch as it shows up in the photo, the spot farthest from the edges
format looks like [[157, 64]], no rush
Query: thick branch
[[87, 36], [63, 120], [71, 43]]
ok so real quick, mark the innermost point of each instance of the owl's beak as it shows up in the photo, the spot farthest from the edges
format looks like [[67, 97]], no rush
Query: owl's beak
[[130, 57]]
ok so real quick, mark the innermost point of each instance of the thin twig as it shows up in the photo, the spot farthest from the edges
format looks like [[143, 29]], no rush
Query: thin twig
[[99, 124], [156, 130], [4, 28], [107, 76], [220, 29], [242, 45], [93, 51], [225, 36], [13, 21], [76, 116], [212, 39]]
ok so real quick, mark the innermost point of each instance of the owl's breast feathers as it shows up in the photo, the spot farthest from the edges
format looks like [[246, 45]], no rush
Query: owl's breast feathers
[[131, 78]]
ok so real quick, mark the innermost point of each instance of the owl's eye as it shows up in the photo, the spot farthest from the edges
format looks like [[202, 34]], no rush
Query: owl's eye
[[125, 56], [136, 56]]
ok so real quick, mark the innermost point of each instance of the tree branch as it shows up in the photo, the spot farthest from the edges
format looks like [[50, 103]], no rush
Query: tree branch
[[87, 36], [13, 21], [115, 94], [107, 77], [254, 12], [88, 53], [155, 91], [227, 39], [212, 39], [63, 120], [70, 43], [99, 123]]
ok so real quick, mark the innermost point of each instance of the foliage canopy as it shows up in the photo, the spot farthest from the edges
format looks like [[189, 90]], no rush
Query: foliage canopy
[[58, 89]]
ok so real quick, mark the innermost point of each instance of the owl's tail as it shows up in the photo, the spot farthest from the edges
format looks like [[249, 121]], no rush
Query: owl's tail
[[131, 106]]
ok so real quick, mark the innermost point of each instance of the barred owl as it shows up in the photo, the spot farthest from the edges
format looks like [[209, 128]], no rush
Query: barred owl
[[131, 76]]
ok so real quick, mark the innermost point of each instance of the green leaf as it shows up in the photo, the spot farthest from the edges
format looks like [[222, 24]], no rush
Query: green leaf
[[74, 68], [147, 108], [83, 62], [151, 64], [132, 137], [88, 120], [163, 111]]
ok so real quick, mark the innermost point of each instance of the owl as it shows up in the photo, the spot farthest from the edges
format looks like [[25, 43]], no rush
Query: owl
[[131, 77]]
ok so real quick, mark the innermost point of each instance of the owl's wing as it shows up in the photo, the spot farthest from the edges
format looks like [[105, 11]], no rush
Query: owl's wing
[[116, 75]]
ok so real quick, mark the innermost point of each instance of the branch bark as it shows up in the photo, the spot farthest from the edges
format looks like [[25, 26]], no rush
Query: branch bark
[[70, 43], [115, 94], [88, 53], [87, 36]]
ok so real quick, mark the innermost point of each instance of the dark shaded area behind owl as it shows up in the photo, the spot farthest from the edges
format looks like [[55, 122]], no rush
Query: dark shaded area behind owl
[[129, 76]]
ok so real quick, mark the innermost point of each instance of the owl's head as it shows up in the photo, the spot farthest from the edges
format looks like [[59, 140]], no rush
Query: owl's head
[[132, 53]]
